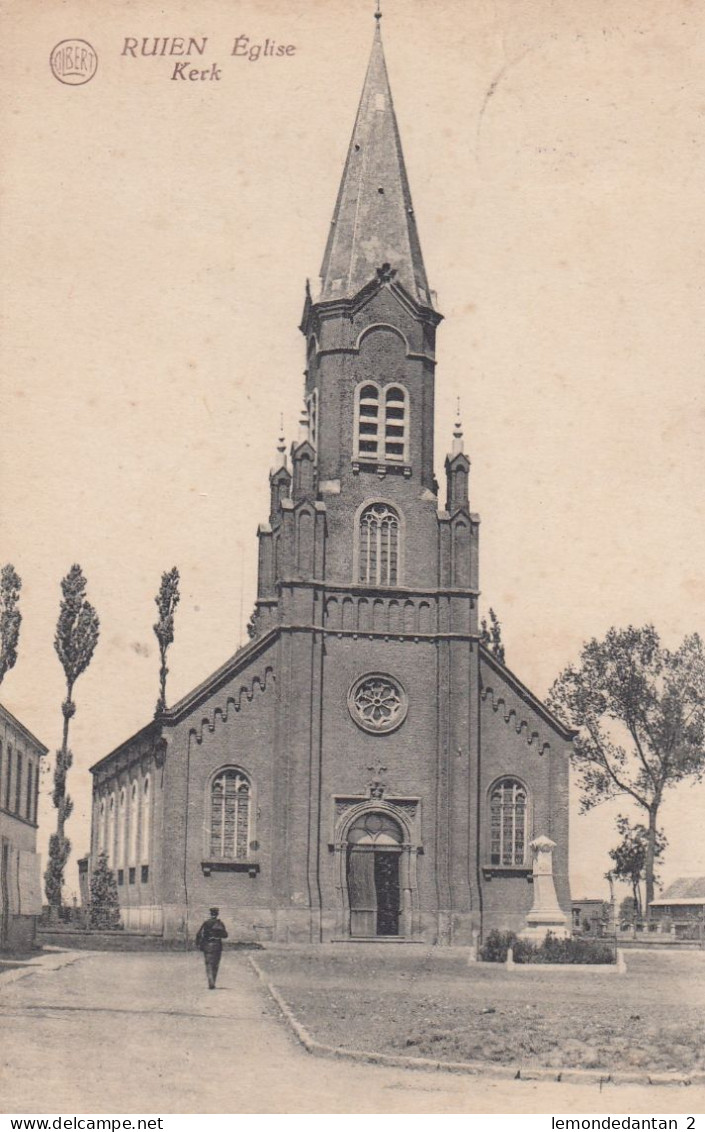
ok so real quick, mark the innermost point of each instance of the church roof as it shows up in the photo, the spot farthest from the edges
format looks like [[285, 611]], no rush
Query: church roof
[[7, 717], [373, 223]]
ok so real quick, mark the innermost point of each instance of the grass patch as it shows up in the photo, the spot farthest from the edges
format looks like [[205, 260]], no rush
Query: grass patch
[[435, 1005]]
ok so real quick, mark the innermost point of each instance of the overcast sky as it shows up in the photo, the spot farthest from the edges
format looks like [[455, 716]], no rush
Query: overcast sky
[[156, 238]]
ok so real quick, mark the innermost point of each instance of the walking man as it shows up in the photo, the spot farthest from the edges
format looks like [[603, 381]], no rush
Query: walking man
[[210, 938]]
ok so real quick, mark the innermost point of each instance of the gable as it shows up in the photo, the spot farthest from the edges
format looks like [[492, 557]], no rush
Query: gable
[[502, 692], [237, 678]]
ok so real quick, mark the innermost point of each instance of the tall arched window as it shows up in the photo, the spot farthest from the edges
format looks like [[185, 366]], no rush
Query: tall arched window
[[146, 825], [134, 824], [379, 546], [367, 438], [8, 778], [508, 822], [396, 425], [121, 828], [18, 784], [28, 808], [230, 815], [102, 827], [111, 831]]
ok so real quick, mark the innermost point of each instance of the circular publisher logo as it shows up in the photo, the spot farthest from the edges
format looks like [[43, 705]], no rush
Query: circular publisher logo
[[74, 62]]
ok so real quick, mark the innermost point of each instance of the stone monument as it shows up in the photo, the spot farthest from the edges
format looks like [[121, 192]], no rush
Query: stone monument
[[546, 914]]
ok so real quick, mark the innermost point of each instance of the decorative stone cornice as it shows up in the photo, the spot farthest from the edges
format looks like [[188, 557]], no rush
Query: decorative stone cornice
[[511, 716], [245, 694], [502, 675]]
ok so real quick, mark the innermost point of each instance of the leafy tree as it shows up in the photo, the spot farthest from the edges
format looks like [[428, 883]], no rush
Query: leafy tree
[[105, 906], [166, 601], [630, 856], [491, 636], [640, 712], [77, 632], [10, 618], [627, 910]]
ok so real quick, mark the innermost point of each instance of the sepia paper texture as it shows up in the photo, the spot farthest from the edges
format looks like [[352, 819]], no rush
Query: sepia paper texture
[[159, 222]]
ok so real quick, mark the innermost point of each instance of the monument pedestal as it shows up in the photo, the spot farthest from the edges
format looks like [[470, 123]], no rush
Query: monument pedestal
[[546, 914]]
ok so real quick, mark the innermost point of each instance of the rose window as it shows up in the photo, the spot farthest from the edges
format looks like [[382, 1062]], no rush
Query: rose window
[[377, 703]]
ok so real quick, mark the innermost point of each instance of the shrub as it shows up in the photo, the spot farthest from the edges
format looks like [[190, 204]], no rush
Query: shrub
[[524, 952], [556, 950], [105, 906], [495, 947], [552, 950]]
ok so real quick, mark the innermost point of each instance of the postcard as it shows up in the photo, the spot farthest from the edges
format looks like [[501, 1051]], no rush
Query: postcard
[[351, 385]]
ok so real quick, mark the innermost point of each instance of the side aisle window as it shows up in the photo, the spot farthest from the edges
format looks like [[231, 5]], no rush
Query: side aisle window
[[230, 815], [508, 822]]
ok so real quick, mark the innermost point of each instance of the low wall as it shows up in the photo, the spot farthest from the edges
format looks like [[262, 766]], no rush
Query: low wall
[[76, 940], [660, 943], [105, 941]]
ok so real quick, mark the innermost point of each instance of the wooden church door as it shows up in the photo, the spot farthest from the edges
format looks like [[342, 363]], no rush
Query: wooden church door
[[374, 893]]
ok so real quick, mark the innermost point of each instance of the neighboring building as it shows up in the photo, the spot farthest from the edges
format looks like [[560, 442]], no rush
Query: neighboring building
[[682, 900], [84, 880], [590, 915], [20, 880], [364, 767]]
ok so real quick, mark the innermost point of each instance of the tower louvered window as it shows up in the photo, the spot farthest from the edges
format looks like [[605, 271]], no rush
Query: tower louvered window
[[508, 822], [381, 424], [395, 424], [230, 816], [379, 546], [368, 423]]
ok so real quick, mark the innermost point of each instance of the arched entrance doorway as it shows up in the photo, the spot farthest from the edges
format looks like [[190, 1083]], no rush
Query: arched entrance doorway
[[373, 857]]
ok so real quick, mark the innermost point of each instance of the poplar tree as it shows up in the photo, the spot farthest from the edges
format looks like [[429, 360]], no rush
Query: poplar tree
[[77, 632], [10, 618], [166, 602]]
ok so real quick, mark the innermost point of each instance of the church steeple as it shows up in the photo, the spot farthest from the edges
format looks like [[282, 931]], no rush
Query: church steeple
[[370, 371], [374, 223]]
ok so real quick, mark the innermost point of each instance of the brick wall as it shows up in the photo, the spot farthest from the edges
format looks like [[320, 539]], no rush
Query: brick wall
[[518, 742]]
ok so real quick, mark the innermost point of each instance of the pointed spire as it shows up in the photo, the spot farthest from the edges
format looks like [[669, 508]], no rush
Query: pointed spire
[[373, 223], [458, 432], [280, 459]]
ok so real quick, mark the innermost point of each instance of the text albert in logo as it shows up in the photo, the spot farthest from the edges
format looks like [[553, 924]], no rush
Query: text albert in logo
[[74, 62]]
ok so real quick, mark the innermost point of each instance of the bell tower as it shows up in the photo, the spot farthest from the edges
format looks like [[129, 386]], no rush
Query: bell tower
[[364, 460], [370, 581], [370, 331]]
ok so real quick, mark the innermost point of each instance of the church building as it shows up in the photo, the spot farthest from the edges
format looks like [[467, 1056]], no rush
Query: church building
[[364, 767]]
